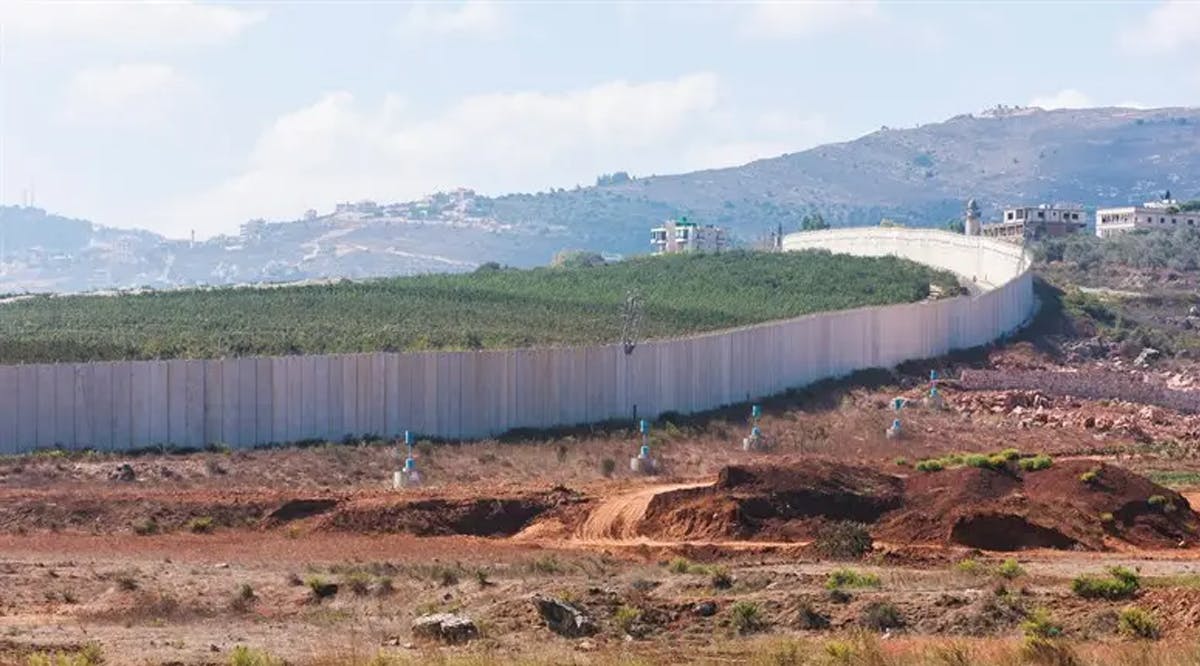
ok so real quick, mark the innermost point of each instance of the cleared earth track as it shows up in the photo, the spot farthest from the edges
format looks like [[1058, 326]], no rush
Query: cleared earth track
[[617, 518]]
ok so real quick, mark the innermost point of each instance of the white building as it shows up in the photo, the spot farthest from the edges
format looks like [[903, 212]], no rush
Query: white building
[[1162, 214], [683, 236], [1022, 223]]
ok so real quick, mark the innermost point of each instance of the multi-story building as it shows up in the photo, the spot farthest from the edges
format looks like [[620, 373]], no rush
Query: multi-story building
[[1023, 223], [683, 236], [1162, 214]]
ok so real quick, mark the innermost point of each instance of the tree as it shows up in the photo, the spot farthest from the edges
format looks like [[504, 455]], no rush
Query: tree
[[813, 222], [577, 259], [956, 225]]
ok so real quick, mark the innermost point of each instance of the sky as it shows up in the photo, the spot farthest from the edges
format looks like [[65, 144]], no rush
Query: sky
[[197, 116]]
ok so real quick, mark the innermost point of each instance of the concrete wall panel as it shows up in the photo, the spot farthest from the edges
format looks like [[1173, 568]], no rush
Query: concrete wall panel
[[475, 394]]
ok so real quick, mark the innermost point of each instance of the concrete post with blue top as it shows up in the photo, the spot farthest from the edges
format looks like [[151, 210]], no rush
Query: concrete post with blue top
[[408, 475], [756, 441], [644, 463]]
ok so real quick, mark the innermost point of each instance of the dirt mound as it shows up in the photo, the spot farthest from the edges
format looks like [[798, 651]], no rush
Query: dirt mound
[[442, 516], [1073, 504], [1008, 509], [777, 501]]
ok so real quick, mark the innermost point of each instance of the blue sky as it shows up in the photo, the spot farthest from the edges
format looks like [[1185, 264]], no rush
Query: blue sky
[[188, 115]]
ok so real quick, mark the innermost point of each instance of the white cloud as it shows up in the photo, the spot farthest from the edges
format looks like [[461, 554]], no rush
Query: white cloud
[[342, 149], [1168, 27], [140, 24], [1068, 98], [481, 18], [775, 18], [126, 95]]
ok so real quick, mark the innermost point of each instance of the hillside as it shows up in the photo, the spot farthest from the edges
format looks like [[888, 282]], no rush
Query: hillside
[[491, 307], [918, 176]]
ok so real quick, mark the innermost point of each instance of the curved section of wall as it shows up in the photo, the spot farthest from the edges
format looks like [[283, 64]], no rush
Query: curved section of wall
[[249, 401]]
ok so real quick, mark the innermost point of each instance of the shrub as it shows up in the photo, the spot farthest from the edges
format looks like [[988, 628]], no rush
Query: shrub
[[808, 617], [244, 656], [1010, 454], [608, 466], [931, 465], [1160, 502], [882, 615], [625, 617], [971, 567], [1036, 463], [1010, 569], [841, 578], [201, 525], [901, 462], [320, 587], [976, 460], [746, 617], [127, 582], [88, 655], [1121, 583], [1039, 624], [546, 565], [358, 582], [446, 576], [244, 599], [1107, 518], [679, 565], [1137, 623], [842, 540], [1090, 477], [721, 578], [146, 527], [482, 577]]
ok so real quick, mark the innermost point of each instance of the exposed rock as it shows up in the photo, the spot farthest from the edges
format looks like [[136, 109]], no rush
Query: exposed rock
[[705, 609], [445, 627], [563, 618], [124, 473], [1146, 357]]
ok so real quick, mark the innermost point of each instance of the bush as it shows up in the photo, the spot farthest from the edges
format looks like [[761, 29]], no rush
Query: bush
[[1010, 569], [1039, 624], [88, 655], [244, 656], [901, 462], [1137, 623], [841, 578], [320, 587], [1010, 454], [679, 565], [244, 599], [201, 525], [358, 582], [1121, 583], [147, 527], [608, 467], [1161, 503], [721, 578], [1036, 463], [971, 567], [931, 465], [1091, 476], [625, 618], [808, 617], [981, 461], [842, 540], [882, 615], [746, 617]]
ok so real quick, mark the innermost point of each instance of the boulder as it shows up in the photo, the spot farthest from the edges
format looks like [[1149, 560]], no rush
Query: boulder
[[705, 609], [445, 627], [563, 618], [124, 473], [1146, 357]]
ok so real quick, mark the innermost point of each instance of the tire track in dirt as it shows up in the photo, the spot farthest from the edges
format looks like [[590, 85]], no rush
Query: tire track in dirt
[[617, 518]]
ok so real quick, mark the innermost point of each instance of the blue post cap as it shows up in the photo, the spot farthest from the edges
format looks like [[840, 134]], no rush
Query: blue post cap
[[755, 432], [408, 438], [933, 391], [409, 464], [932, 374], [645, 451], [896, 424], [897, 403], [756, 411], [644, 426]]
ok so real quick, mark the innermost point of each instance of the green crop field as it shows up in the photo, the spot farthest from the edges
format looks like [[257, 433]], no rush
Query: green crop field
[[490, 308]]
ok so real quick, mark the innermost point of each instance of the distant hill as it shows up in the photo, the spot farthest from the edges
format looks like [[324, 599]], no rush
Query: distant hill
[[919, 176]]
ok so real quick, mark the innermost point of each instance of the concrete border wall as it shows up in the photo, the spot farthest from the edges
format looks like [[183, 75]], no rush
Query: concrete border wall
[[258, 400]]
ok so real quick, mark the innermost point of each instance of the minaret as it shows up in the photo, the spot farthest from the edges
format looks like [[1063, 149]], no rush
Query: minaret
[[973, 226]]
